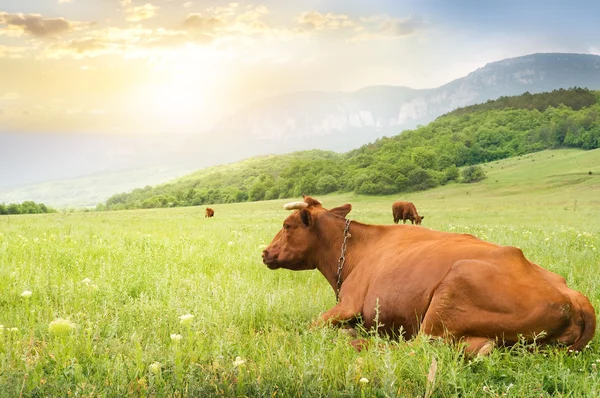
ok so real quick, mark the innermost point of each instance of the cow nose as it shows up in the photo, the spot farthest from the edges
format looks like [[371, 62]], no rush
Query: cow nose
[[265, 255], [268, 256]]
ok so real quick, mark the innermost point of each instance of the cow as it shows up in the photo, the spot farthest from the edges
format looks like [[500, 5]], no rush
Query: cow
[[408, 279], [209, 212], [406, 211]]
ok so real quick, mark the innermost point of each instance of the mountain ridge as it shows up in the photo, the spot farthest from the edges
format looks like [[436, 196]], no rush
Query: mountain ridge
[[374, 111]]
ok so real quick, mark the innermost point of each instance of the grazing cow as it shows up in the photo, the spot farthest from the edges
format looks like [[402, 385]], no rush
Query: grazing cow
[[209, 212], [413, 280], [406, 211]]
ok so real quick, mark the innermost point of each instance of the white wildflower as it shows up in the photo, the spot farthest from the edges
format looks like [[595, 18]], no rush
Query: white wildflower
[[26, 294], [363, 380], [238, 361], [61, 326], [175, 337], [186, 319], [155, 367]]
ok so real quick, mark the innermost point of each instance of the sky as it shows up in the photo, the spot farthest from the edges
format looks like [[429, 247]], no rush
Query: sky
[[179, 66]]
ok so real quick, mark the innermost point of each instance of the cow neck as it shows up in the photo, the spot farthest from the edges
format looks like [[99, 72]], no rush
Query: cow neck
[[342, 260], [338, 241]]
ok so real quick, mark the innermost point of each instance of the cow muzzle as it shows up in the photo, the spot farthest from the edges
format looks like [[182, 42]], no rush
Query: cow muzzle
[[270, 258]]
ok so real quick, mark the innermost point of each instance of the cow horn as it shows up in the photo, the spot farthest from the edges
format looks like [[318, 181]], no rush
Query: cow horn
[[295, 205]]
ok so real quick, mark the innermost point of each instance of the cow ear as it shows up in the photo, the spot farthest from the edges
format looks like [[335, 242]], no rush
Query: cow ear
[[311, 201], [422, 217], [341, 211], [306, 217]]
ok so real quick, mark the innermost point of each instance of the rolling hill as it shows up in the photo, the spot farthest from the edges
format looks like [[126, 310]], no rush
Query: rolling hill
[[440, 153]]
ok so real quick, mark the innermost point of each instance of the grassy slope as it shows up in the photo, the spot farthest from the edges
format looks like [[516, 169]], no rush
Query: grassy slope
[[151, 266]]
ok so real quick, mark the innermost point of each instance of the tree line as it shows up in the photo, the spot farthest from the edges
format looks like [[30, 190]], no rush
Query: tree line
[[448, 149], [27, 207], [575, 98]]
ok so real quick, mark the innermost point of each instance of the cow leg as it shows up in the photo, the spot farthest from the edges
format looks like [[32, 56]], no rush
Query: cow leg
[[338, 314], [347, 309], [474, 346], [478, 346]]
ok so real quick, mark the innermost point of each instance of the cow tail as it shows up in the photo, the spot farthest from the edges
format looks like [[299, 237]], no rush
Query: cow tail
[[588, 316]]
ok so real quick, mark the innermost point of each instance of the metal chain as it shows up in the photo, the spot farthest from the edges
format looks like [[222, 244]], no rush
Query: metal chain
[[341, 260]]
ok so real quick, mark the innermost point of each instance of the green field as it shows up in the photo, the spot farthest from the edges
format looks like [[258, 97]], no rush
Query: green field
[[123, 279]]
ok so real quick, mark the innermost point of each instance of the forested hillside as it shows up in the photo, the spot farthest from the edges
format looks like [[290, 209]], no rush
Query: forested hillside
[[443, 151]]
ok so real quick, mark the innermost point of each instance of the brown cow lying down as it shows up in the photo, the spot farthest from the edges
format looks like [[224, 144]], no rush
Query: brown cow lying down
[[209, 212], [450, 285], [406, 211]]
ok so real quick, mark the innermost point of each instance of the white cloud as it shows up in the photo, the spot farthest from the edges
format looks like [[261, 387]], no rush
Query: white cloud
[[198, 22], [80, 48], [35, 24], [11, 52], [383, 26], [400, 26], [319, 21], [136, 14], [187, 4]]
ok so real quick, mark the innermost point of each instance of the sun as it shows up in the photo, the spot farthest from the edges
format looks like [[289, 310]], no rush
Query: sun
[[178, 95]]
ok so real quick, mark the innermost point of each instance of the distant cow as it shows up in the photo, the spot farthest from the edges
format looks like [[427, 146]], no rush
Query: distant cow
[[209, 212], [411, 279], [406, 211]]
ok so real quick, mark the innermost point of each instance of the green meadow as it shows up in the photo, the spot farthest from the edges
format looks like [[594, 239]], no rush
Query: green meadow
[[166, 302]]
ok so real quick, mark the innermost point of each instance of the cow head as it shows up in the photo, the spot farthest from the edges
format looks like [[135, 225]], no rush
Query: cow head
[[296, 243], [418, 219]]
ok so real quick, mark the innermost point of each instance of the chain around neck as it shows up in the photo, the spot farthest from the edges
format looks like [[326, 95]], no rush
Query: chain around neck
[[341, 260]]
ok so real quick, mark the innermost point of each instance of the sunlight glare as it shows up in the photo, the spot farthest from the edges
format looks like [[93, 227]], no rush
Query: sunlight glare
[[179, 92]]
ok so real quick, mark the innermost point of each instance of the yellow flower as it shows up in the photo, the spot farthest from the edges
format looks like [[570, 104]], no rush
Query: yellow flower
[[61, 326]]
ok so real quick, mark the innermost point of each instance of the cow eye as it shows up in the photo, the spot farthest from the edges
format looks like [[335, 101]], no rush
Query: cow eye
[[286, 226]]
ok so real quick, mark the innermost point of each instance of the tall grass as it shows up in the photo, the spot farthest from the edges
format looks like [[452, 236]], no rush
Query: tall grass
[[124, 279]]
